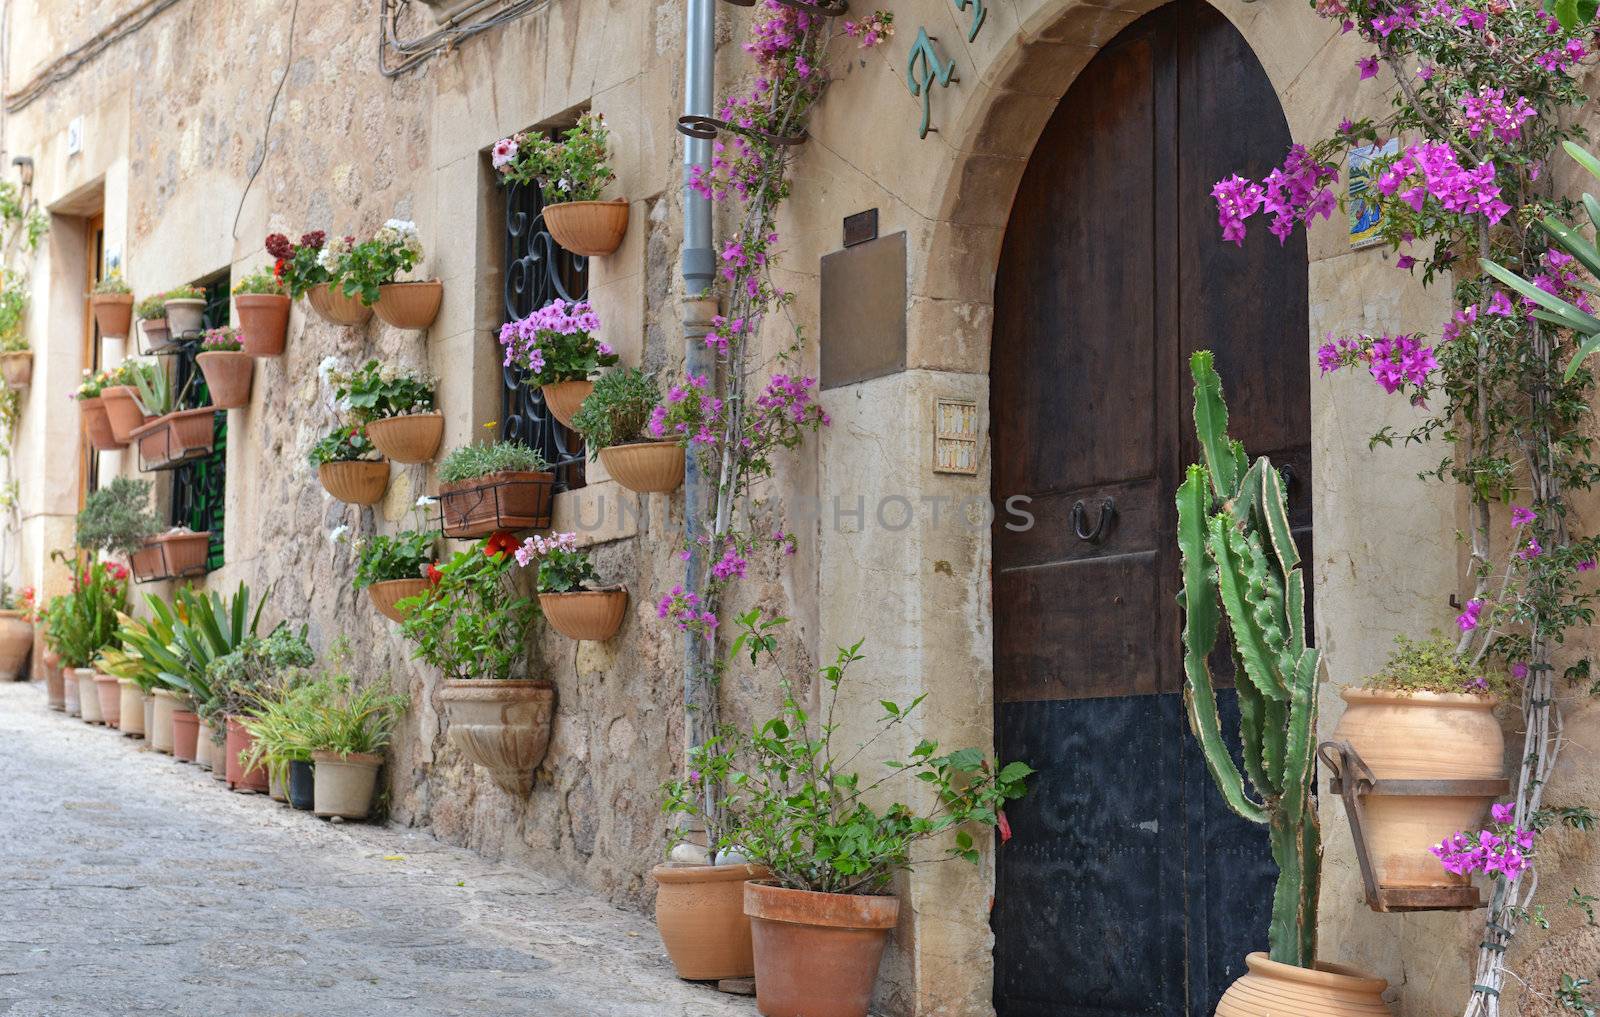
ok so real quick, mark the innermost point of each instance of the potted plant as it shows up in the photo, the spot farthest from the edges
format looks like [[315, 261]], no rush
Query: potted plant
[[152, 315], [783, 797], [112, 305], [569, 592], [392, 569], [124, 409], [556, 348], [349, 466], [184, 308], [571, 173], [311, 269], [16, 357], [55, 680], [227, 368], [92, 409], [503, 485], [116, 519], [261, 305], [176, 436], [368, 271], [237, 681], [613, 422], [280, 742], [16, 633], [1240, 564], [472, 624], [135, 684], [397, 409], [89, 625], [348, 729]]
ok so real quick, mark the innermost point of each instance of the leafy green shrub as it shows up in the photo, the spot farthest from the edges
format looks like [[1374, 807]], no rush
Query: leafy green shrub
[[117, 518], [88, 622], [380, 558], [572, 168], [472, 461], [618, 409], [364, 267], [474, 621], [374, 392], [1432, 665], [344, 444], [254, 670]]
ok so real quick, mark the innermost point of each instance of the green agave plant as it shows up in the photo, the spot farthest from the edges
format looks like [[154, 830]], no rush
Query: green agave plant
[[183, 637]]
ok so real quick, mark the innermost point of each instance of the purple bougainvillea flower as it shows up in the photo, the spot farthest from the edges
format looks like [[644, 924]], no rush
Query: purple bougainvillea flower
[[1369, 67], [1521, 516]]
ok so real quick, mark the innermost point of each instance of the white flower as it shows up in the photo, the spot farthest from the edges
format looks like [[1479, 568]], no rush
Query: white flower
[[325, 369], [425, 501], [327, 258], [336, 534], [404, 227]]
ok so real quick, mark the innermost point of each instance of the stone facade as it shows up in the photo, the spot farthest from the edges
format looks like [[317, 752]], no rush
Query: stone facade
[[192, 153]]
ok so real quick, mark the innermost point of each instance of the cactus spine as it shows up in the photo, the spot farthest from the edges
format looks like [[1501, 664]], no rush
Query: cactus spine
[[1240, 563]]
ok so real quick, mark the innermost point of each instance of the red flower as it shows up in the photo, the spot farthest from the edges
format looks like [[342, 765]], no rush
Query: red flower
[[116, 570], [279, 247], [313, 240], [500, 544], [434, 575], [1005, 827], [277, 269]]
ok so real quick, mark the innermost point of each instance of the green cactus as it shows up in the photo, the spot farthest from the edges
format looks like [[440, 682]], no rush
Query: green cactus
[[1240, 563]]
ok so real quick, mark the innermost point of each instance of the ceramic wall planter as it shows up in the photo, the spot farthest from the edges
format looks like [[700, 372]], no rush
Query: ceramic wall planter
[[1421, 736], [55, 686], [157, 336], [170, 441], [302, 785], [511, 500], [130, 707], [334, 307], [355, 482], [97, 426], [343, 784], [263, 322], [239, 741], [184, 315], [16, 368], [88, 698], [564, 398], [70, 703], [166, 704], [502, 726], [409, 304], [590, 228], [113, 313], [585, 614], [105, 687], [123, 411], [16, 642], [413, 438], [645, 466], [1270, 989], [816, 954], [700, 913], [185, 734], [227, 376], [385, 595]]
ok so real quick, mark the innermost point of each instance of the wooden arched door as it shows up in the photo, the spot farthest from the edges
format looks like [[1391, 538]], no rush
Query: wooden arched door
[[1129, 888]]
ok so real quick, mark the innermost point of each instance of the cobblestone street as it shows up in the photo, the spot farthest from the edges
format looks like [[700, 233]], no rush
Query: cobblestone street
[[134, 884]]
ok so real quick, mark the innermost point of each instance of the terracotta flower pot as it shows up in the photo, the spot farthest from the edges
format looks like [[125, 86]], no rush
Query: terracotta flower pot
[[184, 554], [343, 785], [700, 913], [645, 466], [334, 307], [16, 642], [105, 687], [263, 322], [88, 698], [227, 376], [413, 438], [113, 312], [565, 397], [147, 563], [97, 426], [1270, 989], [503, 726], [176, 438], [16, 368], [130, 707], [185, 732], [184, 315], [386, 593], [816, 954], [161, 723], [302, 785], [510, 500], [591, 228], [239, 741], [585, 614], [1421, 736], [157, 336], [70, 701], [356, 482], [122, 409], [55, 686], [410, 304]]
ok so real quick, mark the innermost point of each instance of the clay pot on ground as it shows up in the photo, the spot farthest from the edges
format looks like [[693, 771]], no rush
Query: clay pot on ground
[[88, 698], [16, 367], [206, 751], [590, 228], [586, 614], [355, 482], [176, 438], [1421, 736], [55, 686], [156, 334], [510, 500], [413, 438], [700, 913], [302, 785], [97, 426], [130, 707], [645, 466], [409, 304], [70, 702], [816, 954], [275, 788], [185, 732], [227, 377], [16, 642], [147, 704], [334, 307], [263, 322], [124, 412], [343, 785], [239, 740], [564, 398], [502, 726], [385, 594], [1270, 989], [160, 730], [113, 312], [185, 315], [105, 687]]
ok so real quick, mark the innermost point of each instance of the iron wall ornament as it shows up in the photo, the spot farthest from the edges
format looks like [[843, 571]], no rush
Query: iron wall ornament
[[706, 129], [924, 69]]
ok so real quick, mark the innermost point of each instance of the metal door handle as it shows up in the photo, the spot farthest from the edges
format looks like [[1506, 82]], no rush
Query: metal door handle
[[1108, 509]]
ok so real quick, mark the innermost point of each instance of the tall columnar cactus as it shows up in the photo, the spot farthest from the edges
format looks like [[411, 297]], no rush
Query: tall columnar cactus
[[1238, 551]]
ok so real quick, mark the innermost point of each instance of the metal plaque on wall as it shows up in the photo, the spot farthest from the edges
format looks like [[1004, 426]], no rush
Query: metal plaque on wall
[[864, 311]]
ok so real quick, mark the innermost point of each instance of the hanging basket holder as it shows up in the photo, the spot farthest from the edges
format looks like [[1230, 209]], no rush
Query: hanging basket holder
[[505, 503], [707, 129], [164, 449], [1353, 780]]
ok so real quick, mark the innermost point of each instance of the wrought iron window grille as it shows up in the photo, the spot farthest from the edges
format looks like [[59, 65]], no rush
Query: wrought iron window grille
[[199, 486]]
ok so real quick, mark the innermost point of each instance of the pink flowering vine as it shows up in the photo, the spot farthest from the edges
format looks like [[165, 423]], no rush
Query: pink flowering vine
[[1504, 851]]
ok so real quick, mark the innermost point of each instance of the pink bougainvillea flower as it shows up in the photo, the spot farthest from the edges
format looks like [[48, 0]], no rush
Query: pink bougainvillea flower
[[1369, 67], [1467, 620], [1522, 516]]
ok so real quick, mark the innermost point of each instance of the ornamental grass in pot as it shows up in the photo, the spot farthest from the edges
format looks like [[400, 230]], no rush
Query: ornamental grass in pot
[[349, 466], [783, 797], [257, 670], [226, 366], [398, 410], [184, 309], [111, 301], [613, 421], [261, 307], [349, 727], [571, 173], [152, 315], [394, 568], [556, 350], [369, 272], [493, 486], [473, 624], [570, 594]]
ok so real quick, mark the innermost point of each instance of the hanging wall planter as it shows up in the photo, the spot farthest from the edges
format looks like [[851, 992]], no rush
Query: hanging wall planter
[[502, 726], [646, 466], [157, 336], [343, 785], [590, 228], [565, 397], [334, 307], [700, 914], [509, 500], [16, 642], [1270, 989], [97, 426], [123, 411], [595, 615], [228, 374], [113, 313], [387, 593], [409, 304], [816, 954], [263, 322], [172, 440], [172, 555], [16, 368], [412, 438], [185, 315], [355, 481]]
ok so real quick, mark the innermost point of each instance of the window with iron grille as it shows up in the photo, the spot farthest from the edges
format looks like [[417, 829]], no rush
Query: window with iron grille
[[200, 488]]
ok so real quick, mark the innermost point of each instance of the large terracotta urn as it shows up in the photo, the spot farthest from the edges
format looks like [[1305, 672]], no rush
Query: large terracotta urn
[[1270, 989], [16, 641], [502, 726]]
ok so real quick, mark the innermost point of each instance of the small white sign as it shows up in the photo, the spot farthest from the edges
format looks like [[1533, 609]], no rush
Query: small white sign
[[75, 136]]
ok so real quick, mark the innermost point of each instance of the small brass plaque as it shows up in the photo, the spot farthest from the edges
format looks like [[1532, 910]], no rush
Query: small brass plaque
[[864, 311], [955, 436]]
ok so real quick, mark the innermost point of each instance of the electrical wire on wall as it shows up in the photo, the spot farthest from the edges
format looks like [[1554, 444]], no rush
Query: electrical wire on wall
[[73, 60], [463, 21]]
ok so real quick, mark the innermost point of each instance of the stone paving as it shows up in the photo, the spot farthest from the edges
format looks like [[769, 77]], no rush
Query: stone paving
[[134, 884]]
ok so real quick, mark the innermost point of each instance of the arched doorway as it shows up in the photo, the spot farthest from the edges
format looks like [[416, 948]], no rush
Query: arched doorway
[[1129, 888]]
